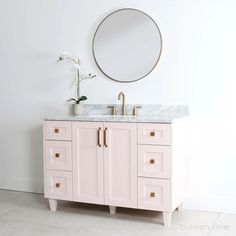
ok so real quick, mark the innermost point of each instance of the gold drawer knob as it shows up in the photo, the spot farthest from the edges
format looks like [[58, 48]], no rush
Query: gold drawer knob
[[57, 155], [58, 185], [152, 134], [152, 161], [152, 194], [56, 130]]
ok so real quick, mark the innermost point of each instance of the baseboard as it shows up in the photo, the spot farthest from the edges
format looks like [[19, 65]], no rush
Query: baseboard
[[213, 203], [23, 186]]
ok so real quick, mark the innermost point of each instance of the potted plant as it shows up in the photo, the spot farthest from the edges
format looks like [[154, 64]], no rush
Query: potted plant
[[77, 106]]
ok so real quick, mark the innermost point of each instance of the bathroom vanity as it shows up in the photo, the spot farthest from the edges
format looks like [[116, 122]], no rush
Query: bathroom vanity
[[118, 161]]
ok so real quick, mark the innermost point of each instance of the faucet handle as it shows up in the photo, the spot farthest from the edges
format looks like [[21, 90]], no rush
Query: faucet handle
[[135, 110], [113, 109]]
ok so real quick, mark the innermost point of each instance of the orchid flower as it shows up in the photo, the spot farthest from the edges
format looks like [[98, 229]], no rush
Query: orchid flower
[[78, 78]]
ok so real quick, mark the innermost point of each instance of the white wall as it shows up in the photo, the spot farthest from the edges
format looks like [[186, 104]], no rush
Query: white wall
[[197, 67]]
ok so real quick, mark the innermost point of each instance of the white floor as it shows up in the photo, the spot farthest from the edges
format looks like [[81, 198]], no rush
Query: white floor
[[27, 214]]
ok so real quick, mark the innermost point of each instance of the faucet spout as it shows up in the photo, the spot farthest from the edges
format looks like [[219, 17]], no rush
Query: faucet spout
[[122, 95]]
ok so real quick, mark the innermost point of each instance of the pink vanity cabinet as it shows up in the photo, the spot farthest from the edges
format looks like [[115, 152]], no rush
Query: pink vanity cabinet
[[135, 165]]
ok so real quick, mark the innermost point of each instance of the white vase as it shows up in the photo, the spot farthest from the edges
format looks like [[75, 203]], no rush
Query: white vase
[[78, 109]]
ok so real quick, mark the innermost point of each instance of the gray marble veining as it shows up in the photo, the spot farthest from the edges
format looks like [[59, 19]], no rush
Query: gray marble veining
[[147, 114], [150, 110]]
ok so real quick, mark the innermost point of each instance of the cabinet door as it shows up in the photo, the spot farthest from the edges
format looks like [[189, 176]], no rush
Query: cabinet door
[[87, 162], [120, 163]]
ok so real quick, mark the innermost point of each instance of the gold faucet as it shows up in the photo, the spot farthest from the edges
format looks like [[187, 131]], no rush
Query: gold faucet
[[121, 94]]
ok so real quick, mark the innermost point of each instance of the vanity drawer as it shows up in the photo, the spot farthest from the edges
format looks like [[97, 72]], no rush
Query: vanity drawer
[[58, 155], [58, 185], [57, 130], [154, 194], [157, 134], [154, 161]]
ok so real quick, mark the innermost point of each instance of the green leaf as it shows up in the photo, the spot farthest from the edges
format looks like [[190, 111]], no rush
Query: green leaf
[[71, 99], [82, 98]]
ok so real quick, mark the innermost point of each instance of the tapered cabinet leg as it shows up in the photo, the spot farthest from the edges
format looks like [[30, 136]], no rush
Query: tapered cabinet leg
[[180, 207], [112, 210], [53, 204], [167, 218]]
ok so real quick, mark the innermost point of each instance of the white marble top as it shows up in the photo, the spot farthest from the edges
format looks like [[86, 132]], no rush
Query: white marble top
[[110, 118], [148, 114]]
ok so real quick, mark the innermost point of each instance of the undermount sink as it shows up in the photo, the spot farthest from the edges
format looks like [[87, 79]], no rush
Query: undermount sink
[[113, 116], [120, 117]]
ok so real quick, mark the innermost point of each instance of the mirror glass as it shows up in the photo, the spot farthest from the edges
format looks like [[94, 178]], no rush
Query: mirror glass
[[127, 45]]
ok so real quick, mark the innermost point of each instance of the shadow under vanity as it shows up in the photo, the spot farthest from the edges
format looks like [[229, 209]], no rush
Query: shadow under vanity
[[119, 161]]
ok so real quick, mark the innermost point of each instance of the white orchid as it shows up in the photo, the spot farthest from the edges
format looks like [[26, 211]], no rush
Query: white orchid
[[78, 78]]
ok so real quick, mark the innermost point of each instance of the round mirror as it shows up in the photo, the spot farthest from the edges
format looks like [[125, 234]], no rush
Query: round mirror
[[127, 45]]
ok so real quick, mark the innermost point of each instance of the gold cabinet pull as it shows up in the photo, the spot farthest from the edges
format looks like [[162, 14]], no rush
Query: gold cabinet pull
[[58, 185], [105, 137], [152, 194], [99, 142], [57, 155], [152, 161], [152, 134], [56, 130]]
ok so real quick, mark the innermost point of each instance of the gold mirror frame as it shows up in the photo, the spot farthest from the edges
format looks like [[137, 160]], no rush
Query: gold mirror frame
[[158, 58]]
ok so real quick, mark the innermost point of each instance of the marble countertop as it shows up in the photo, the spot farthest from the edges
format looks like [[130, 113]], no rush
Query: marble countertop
[[148, 114], [167, 119]]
